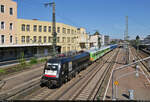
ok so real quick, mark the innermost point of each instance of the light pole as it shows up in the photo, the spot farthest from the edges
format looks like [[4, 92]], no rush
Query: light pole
[[53, 28]]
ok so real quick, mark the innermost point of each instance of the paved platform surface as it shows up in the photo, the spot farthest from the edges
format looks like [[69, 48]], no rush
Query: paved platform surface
[[140, 84]]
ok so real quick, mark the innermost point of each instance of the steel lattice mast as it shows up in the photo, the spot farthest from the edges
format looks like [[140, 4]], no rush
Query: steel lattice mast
[[54, 34]]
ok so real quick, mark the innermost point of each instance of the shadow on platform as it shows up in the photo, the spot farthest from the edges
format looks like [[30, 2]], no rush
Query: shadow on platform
[[125, 95]]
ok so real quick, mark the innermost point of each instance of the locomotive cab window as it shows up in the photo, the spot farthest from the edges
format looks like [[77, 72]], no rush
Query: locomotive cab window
[[52, 67]]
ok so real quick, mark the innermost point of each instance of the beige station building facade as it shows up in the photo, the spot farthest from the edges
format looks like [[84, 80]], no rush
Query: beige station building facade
[[35, 32], [8, 20], [34, 37]]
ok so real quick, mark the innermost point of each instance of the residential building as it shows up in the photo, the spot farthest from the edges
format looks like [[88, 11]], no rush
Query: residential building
[[106, 40], [95, 40]]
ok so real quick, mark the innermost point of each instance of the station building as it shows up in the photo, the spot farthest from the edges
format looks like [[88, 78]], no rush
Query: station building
[[38, 35], [34, 37], [8, 20]]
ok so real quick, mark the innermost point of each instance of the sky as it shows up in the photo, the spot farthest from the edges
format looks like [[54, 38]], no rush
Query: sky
[[106, 16]]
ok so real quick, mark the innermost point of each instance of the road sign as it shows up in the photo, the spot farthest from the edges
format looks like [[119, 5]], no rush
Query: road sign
[[116, 83]]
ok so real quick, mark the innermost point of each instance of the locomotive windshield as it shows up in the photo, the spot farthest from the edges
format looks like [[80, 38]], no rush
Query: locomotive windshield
[[51, 67]]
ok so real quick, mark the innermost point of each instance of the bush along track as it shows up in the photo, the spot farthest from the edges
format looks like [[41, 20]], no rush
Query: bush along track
[[23, 65]]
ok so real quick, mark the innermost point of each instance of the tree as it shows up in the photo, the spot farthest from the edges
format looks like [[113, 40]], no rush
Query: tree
[[137, 40], [99, 42], [113, 42], [137, 43], [99, 39]]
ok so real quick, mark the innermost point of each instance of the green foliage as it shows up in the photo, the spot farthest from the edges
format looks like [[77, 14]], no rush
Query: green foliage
[[43, 60], [99, 42], [22, 61], [113, 42], [33, 61], [2, 71], [137, 40]]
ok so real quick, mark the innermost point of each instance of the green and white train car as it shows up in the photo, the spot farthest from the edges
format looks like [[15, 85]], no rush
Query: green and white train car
[[97, 53]]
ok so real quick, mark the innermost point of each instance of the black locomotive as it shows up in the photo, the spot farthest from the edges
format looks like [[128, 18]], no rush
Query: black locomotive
[[59, 70]]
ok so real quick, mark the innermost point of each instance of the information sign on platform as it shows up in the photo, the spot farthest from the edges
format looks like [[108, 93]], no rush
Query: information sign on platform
[[116, 83]]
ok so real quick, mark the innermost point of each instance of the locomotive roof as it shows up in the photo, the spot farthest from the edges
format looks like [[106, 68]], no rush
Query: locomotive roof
[[67, 59], [59, 60], [80, 55]]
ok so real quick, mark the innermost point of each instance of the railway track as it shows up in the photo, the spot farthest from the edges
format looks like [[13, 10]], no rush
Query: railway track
[[10, 90], [94, 90], [50, 94], [144, 64], [105, 78], [20, 90], [86, 85]]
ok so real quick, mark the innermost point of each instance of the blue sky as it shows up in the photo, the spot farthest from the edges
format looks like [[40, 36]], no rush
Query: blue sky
[[106, 16]]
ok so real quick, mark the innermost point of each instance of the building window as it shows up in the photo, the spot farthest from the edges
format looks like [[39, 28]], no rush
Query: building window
[[58, 29], [2, 39], [35, 28], [28, 39], [45, 28], [34, 39], [2, 25], [23, 27], [68, 39], [45, 39], [72, 47], [23, 39], [64, 30], [49, 28], [11, 11], [11, 39], [72, 31], [64, 49], [58, 39], [50, 39], [64, 39], [11, 26], [28, 28], [68, 31], [68, 49], [72, 40], [2, 9], [40, 39], [40, 28]]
